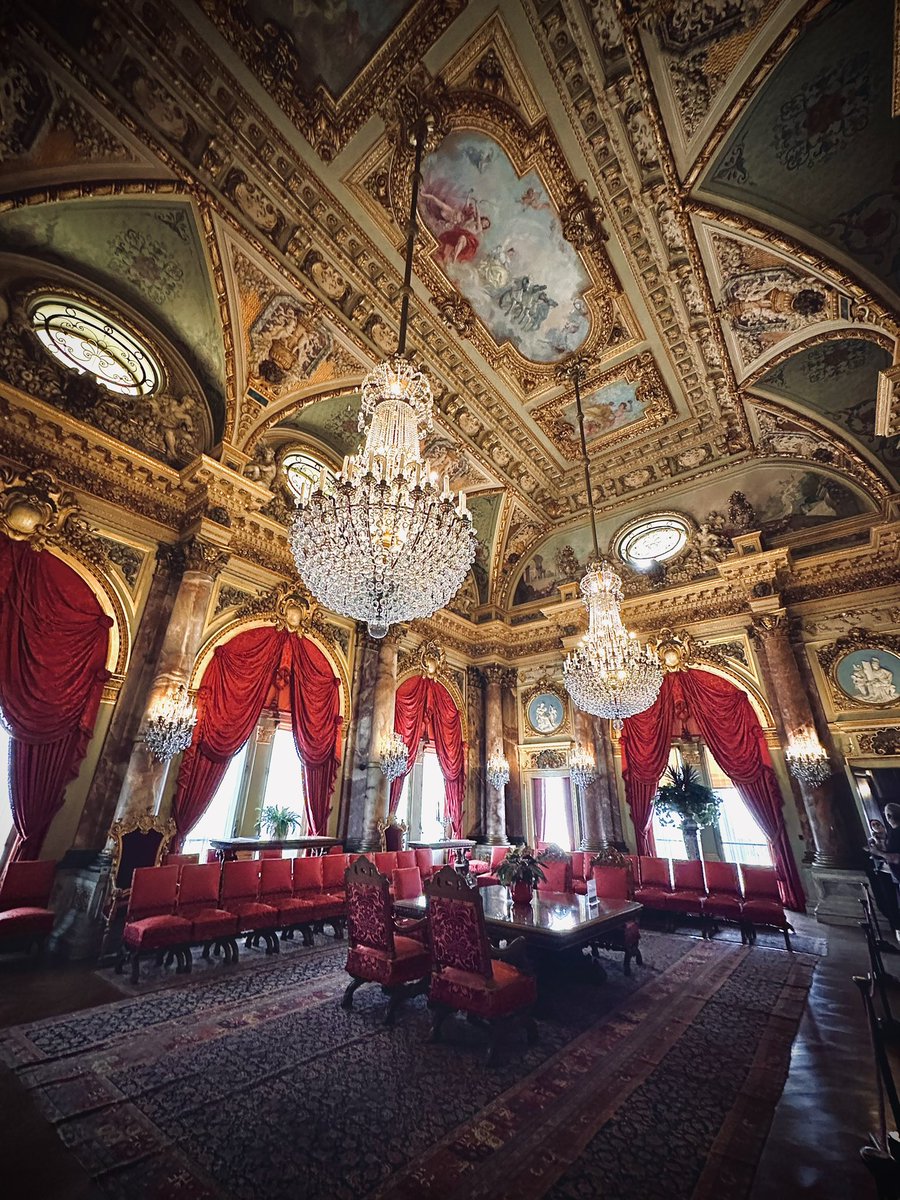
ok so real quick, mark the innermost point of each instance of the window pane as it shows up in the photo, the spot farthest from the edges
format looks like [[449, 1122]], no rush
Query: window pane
[[218, 820], [284, 784], [556, 824], [432, 809], [742, 839], [668, 838]]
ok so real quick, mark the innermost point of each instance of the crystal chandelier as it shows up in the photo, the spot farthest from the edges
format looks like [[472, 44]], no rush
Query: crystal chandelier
[[387, 542], [394, 757], [170, 724], [806, 757], [497, 770], [609, 673], [582, 768]]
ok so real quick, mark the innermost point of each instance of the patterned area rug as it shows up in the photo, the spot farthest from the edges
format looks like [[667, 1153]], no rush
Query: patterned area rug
[[256, 1083]]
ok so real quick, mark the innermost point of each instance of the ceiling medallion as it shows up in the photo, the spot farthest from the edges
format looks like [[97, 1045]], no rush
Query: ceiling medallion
[[382, 542], [609, 673]]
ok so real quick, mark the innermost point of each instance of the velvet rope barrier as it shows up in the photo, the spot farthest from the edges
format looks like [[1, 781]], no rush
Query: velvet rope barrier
[[54, 639]]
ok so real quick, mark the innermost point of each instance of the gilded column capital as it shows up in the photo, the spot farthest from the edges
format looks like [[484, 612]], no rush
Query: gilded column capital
[[493, 673], [204, 557], [766, 626]]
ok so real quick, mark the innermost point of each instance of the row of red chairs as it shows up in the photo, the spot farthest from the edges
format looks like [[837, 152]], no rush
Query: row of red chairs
[[26, 918], [713, 891]]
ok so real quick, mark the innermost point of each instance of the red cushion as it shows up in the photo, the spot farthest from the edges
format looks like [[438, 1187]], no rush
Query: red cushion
[[425, 862], [411, 961], [611, 882], [308, 874], [252, 914], [764, 912], [506, 992], [325, 906], [295, 909], [478, 866], [653, 897], [686, 902], [156, 933], [722, 878], [760, 883], [688, 875], [334, 867], [724, 905], [655, 873], [406, 859], [558, 876], [489, 880], [581, 865], [26, 922], [27, 884], [407, 883], [386, 861], [210, 923]]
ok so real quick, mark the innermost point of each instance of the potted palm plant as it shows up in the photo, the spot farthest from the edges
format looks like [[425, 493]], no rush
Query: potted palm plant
[[684, 800], [278, 823], [520, 871]]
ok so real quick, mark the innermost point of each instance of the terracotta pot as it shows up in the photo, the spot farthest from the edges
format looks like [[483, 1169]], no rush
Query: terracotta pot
[[521, 892]]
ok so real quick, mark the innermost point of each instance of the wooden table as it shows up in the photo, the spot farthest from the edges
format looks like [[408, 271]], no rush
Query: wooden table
[[227, 848], [556, 926], [458, 845]]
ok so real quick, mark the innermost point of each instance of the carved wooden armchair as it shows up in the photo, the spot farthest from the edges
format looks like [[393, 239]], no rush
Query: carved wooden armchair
[[381, 949], [467, 974], [392, 833], [137, 842]]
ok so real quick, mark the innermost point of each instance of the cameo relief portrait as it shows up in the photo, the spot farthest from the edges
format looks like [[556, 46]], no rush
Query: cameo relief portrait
[[871, 676]]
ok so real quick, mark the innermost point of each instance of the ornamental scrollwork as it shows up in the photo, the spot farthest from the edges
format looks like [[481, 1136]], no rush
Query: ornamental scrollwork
[[883, 743], [35, 508]]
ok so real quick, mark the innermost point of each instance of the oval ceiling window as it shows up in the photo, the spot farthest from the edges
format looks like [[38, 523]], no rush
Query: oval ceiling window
[[303, 470], [89, 341], [652, 539]]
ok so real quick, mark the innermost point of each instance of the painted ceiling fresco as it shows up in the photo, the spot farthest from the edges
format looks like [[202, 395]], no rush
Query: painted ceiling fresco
[[485, 511], [839, 379], [782, 499], [499, 242], [814, 146], [148, 252]]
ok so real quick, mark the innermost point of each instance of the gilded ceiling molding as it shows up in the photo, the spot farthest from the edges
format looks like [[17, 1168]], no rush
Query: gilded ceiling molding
[[887, 404]]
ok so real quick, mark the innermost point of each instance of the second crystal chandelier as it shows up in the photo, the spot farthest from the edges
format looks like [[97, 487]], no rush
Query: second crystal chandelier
[[609, 673], [386, 543]]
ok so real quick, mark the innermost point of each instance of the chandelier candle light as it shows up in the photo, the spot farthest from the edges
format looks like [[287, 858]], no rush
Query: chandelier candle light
[[806, 757], [609, 673], [394, 757], [387, 542], [582, 768], [497, 770], [170, 725]]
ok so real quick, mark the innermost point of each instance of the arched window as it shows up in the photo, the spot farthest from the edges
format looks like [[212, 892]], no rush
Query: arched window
[[652, 539], [89, 341], [301, 469]]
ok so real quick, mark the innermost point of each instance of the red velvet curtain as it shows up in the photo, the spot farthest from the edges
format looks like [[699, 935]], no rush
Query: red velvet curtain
[[316, 722], [423, 706], [54, 639], [725, 719], [646, 742], [234, 691]]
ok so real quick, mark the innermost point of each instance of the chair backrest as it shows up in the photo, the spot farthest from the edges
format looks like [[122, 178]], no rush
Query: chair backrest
[[722, 877], [198, 886], [275, 877], [386, 861], [338, 849], [394, 836], [406, 859], [334, 867], [370, 913], [760, 883], [557, 873], [138, 842], [581, 865], [613, 883], [407, 882], [153, 892], [276, 853], [498, 855], [308, 874], [424, 861], [456, 929], [240, 880], [635, 860], [27, 884], [180, 860], [655, 873], [212, 856], [688, 874]]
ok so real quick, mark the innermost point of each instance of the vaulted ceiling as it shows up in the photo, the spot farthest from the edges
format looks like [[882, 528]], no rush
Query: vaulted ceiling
[[700, 202]]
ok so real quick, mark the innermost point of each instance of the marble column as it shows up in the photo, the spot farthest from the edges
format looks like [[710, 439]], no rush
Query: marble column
[[495, 798], [593, 800], [377, 795], [606, 762], [145, 776], [475, 754], [513, 799], [828, 805], [100, 804]]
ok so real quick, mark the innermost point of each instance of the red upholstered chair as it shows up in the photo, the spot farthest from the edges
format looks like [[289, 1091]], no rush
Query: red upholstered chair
[[331, 902], [635, 860], [466, 975], [276, 888], [557, 871], [656, 883], [386, 862], [477, 866], [762, 903], [25, 918], [689, 890], [198, 902], [614, 883], [240, 896], [498, 854], [379, 952], [181, 860], [407, 883], [406, 859], [723, 901], [425, 862], [581, 870], [276, 853], [151, 926], [338, 849]]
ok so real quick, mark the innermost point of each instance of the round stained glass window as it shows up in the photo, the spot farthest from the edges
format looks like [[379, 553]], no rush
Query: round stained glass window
[[87, 340], [653, 539], [302, 470]]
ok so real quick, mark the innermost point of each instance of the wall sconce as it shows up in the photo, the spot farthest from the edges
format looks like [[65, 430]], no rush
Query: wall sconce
[[170, 723], [497, 770], [394, 756], [582, 768], [806, 757]]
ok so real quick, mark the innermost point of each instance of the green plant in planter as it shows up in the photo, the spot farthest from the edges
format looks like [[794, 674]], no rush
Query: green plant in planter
[[688, 803], [278, 823], [521, 865]]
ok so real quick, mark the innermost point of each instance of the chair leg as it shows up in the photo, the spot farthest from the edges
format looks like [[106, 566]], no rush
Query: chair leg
[[787, 941], [120, 960], [531, 1029], [626, 965], [493, 1043], [347, 998], [207, 946], [135, 967], [188, 959], [441, 1013], [308, 938], [396, 999], [337, 926], [638, 957]]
